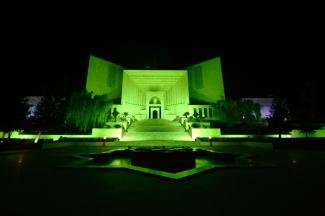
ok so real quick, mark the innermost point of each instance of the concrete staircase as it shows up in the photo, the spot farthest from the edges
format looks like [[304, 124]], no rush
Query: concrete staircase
[[156, 129]]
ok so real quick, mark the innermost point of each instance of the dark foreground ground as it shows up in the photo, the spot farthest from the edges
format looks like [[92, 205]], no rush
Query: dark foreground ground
[[31, 184]]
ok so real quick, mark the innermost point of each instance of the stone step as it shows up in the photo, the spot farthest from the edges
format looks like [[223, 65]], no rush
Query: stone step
[[156, 143], [137, 136], [156, 129]]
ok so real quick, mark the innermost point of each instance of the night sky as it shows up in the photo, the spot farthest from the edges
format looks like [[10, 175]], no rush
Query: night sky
[[252, 67], [267, 55], [257, 64]]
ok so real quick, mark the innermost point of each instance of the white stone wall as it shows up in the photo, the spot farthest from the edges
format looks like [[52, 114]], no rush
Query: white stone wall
[[104, 77], [206, 81], [131, 93], [178, 94], [160, 96], [204, 132]]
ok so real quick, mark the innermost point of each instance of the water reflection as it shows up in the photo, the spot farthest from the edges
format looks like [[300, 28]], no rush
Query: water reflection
[[19, 163], [20, 159], [173, 163]]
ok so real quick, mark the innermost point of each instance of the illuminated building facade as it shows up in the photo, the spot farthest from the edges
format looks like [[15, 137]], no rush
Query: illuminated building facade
[[158, 94]]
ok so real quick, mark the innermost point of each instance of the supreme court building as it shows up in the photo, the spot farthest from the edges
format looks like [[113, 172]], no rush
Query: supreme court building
[[158, 94]]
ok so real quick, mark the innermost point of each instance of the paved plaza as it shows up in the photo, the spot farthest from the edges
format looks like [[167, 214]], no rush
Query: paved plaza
[[32, 184]]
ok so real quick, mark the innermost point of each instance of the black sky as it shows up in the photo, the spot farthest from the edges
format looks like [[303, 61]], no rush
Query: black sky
[[256, 63], [252, 66], [263, 53], [260, 57]]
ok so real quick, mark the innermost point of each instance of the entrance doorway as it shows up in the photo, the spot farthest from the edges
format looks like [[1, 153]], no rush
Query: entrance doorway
[[154, 112]]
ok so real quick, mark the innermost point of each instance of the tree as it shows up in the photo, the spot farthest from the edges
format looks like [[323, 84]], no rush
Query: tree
[[280, 116], [115, 113], [124, 116], [186, 114], [249, 111], [14, 111], [86, 112], [50, 113], [21, 113], [306, 111], [196, 114], [227, 112], [234, 112]]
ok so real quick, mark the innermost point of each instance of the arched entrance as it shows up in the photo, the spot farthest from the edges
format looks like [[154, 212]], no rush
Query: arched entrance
[[154, 114], [154, 108], [154, 100]]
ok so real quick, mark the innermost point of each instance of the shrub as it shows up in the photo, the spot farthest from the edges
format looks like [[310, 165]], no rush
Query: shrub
[[191, 119], [195, 125]]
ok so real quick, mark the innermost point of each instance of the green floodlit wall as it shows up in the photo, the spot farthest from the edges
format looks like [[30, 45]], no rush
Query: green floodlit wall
[[316, 133], [96, 133], [104, 77], [194, 132], [206, 82]]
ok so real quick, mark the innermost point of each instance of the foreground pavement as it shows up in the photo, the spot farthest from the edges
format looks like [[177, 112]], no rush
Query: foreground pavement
[[32, 184]]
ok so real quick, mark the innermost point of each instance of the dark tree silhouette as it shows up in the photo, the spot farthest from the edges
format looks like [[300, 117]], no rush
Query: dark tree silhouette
[[306, 110], [86, 112], [234, 112], [115, 114], [124, 116], [50, 114], [14, 111], [196, 115], [280, 119], [186, 114]]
